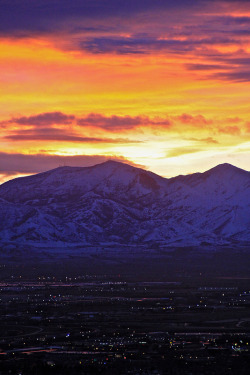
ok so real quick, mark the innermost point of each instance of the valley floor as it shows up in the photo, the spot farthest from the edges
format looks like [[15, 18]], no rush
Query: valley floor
[[125, 311]]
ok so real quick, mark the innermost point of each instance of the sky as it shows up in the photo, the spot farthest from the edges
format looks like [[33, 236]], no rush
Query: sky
[[160, 84]]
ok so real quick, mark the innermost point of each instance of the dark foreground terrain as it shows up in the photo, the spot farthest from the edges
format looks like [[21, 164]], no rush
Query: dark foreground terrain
[[114, 311]]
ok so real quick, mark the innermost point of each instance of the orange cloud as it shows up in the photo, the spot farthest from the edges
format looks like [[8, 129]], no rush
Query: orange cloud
[[233, 130]]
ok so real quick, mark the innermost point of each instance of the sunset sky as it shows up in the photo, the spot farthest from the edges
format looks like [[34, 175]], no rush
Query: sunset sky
[[162, 84]]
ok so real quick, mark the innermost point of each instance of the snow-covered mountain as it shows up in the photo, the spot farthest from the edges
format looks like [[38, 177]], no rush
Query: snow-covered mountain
[[116, 203]]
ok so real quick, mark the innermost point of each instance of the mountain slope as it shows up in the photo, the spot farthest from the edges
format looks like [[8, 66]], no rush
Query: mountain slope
[[116, 203]]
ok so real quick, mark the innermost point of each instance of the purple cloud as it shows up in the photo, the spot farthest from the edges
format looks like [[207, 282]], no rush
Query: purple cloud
[[44, 119], [26, 17], [11, 164], [60, 135], [120, 122]]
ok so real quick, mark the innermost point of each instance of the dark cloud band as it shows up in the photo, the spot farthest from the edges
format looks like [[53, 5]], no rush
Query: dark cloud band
[[11, 164], [24, 16]]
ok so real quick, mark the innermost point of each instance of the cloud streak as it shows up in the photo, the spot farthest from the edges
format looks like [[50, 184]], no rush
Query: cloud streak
[[61, 127], [44, 122], [118, 123], [59, 135], [44, 119], [66, 138], [183, 151]]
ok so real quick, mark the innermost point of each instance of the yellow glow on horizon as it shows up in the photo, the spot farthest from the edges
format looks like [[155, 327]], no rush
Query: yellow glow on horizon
[[41, 75]]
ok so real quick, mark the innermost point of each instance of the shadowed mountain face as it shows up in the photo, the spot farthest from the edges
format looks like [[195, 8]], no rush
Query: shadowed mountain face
[[117, 203]]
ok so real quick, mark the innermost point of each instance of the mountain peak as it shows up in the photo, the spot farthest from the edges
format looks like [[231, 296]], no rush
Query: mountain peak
[[226, 168], [113, 163]]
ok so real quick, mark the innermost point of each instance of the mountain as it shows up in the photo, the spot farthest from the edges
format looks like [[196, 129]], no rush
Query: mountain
[[114, 202]]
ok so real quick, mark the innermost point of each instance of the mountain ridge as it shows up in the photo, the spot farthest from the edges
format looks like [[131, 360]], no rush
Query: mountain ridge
[[227, 166], [117, 203]]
